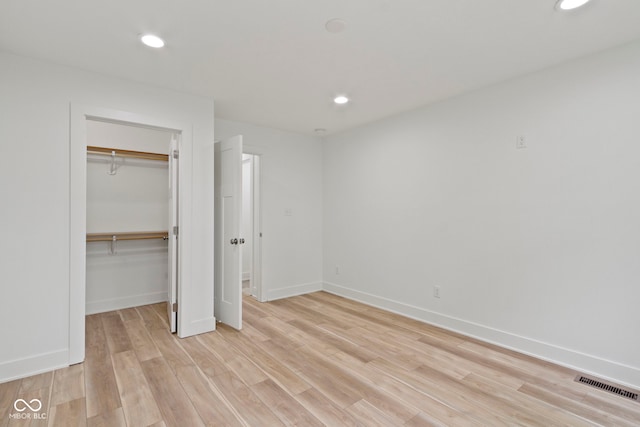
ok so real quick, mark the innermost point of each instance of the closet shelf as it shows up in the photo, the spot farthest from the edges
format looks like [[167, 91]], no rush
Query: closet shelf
[[132, 235], [127, 153]]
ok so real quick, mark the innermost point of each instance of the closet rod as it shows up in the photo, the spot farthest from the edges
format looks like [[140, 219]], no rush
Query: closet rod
[[109, 237], [127, 153]]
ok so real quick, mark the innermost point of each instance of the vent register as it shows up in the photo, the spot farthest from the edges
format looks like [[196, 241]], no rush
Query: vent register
[[628, 394]]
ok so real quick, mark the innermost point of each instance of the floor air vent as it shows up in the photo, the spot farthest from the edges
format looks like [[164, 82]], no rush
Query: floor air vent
[[608, 387]]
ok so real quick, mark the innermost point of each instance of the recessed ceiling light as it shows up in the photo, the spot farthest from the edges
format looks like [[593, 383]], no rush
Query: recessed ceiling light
[[152, 41], [341, 99], [570, 4], [320, 131]]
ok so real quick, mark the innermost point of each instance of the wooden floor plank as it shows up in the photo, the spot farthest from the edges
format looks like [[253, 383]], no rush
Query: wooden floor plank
[[114, 418], [117, 338], [175, 405], [140, 407], [37, 416], [412, 397], [246, 370], [579, 409], [425, 420], [8, 395], [325, 410], [524, 410], [274, 368], [68, 384], [290, 411], [216, 344], [369, 415], [251, 408], [388, 403], [333, 383], [207, 361], [69, 413], [36, 382], [163, 314], [170, 348], [101, 390], [610, 403], [150, 317], [213, 408], [129, 314], [315, 359], [141, 340], [340, 344]]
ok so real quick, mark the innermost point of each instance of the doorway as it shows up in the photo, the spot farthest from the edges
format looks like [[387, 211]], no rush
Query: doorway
[[129, 212], [230, 234], [81, 116], [251, 227]]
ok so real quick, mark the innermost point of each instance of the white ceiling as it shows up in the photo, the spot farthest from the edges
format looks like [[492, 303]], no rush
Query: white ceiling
[[271, 62]]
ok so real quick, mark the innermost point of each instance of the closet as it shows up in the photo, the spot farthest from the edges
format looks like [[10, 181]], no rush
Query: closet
[[130, 189]]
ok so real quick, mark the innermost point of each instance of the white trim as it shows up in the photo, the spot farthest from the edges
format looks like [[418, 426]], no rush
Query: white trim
[[111, 304], [33, 365], [292, 291], [246, 275], [605, 369]]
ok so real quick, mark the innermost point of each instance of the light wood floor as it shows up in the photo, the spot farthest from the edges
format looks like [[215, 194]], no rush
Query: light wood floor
[[310, 360]]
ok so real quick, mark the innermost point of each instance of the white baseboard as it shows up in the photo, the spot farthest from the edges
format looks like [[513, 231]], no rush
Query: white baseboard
[[102, 306], [21, 368], [292, 291], [585, 363]]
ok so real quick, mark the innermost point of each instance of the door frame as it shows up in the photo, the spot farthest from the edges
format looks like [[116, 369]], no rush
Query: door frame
[[79, 114]]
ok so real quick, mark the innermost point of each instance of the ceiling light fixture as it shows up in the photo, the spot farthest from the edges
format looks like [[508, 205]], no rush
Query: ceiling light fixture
[[341, 99], [152, 41], [570, 4]]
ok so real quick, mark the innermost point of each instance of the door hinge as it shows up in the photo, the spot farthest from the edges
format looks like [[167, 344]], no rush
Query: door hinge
[[174, 307], [176, 154], [175, 230]]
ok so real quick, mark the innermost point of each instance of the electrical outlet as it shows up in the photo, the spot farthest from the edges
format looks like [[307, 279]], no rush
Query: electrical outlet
[[436, 291], [337, 270], [521, 142]]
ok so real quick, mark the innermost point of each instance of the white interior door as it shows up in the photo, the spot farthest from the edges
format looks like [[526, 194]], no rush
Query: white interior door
[[172, 297], [228, 199]]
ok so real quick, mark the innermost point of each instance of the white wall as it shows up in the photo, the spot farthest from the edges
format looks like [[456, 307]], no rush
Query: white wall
[[536, 248], [133, 199], [291, 166], [34, 175]]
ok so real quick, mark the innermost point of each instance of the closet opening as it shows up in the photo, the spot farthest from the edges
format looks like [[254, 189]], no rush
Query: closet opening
[[139, 253], [131, 217]]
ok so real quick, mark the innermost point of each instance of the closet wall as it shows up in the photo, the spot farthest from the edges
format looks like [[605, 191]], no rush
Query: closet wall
[[133, 199]]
